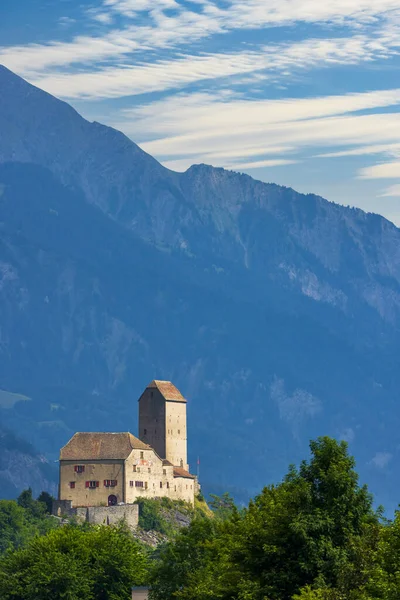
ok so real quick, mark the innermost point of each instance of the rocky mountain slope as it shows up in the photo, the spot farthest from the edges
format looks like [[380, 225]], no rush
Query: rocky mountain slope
[[277, 314]]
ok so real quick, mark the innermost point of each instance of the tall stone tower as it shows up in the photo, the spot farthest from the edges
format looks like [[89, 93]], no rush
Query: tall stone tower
[[162, 422]]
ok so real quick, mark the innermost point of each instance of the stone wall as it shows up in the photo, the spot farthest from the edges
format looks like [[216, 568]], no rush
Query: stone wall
[[98, 515], [112, 515]]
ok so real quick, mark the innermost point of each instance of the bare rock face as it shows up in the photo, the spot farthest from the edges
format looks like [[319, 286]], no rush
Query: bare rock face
[[276, 313]]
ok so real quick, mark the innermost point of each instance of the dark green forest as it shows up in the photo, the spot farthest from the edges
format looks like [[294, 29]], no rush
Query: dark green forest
[[316, 535]]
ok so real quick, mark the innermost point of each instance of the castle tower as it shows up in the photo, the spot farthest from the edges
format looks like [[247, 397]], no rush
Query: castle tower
[[162, 422]]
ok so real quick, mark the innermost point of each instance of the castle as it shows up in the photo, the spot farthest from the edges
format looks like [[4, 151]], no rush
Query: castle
[[114, 470]]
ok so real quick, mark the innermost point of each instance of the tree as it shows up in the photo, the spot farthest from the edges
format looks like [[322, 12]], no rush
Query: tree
[[35, 509], [95, 563], [47, 500], [222, 506], [18, 525], [316, 528]]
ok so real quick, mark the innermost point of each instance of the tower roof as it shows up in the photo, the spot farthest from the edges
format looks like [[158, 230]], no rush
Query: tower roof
[[167, 390], [101, 446]]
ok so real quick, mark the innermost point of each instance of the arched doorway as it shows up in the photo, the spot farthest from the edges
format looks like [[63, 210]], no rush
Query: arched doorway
[[112, 500]]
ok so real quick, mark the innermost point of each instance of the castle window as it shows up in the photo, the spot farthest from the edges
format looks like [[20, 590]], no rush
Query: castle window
[[164, 471], [179, 431], [145, 485], [72, 485], [160, 484], [142, 455], [131, 483], [79, 468], [110, 482], [134, 468], [92, 484], [168, 484], [145, 431], [139, 484]]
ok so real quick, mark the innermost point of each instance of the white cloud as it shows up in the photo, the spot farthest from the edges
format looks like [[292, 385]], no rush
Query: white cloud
[[225, 130], [161, 30], [66, 21], [270, 61], [393, 191], [383, 171], [381, 459]]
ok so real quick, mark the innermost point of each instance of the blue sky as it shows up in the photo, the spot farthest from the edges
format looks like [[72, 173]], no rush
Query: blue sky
[[303, 93]]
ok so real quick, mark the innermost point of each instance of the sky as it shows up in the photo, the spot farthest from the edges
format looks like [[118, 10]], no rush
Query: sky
[[303, 93]]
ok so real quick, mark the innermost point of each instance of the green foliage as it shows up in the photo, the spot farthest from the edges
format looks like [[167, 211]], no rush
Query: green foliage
[[22, 520], [222, 506], [317, 528], [47, 500], [151, 517], [91, 563]]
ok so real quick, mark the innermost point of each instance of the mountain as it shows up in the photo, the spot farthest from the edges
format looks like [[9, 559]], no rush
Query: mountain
[[277, 314], [21, 467]]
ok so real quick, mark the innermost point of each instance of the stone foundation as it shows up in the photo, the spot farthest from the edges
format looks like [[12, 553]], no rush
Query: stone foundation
[[98, 515]]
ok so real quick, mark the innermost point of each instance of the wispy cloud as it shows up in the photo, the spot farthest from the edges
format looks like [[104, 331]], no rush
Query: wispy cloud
[[242, 134], [161, 30], [381, 459], [273, 61], [392, 192], [390, 170]]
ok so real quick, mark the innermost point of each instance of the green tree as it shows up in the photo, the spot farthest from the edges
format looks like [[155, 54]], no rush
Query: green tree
[[222, 506], [95, 563], [317, 528], [188, 555], [47, 500]]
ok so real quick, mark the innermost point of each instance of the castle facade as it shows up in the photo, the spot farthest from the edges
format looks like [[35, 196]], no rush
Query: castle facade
[[111, 469]]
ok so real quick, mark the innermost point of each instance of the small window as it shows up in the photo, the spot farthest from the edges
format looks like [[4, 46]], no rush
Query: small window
[[138, 469], [168, 484], [179, 431], [134, 468], [160, 484], [110, 482], [145, 431], [72, 485], [139, 484], [92, 484], [79, 468], [142, 455], [145, 485], [164, 471], [131, 483]]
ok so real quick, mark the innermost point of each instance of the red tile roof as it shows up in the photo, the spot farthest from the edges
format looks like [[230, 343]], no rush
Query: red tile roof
[[168, 390], [180, 472], [101, 446]]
